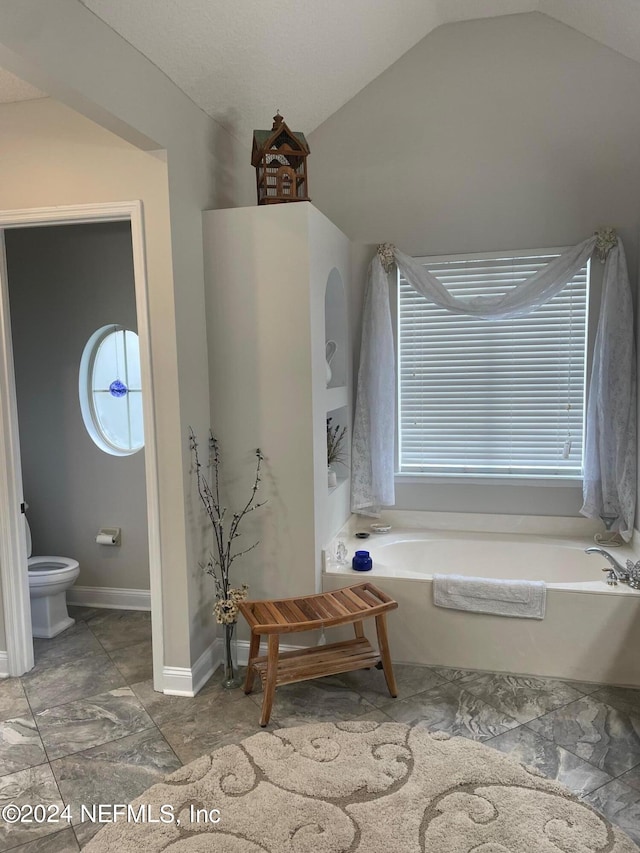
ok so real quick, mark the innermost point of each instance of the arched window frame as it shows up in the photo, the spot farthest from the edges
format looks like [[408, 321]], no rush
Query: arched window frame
[[90, 415]]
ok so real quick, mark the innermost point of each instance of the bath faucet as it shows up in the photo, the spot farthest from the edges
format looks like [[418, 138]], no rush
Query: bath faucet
[[616, 572]]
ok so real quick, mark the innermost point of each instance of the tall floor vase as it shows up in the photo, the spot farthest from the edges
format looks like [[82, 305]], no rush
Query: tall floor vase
[[230, 673]]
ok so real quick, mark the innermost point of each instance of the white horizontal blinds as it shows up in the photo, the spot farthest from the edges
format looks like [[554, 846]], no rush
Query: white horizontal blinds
[[492, 396]]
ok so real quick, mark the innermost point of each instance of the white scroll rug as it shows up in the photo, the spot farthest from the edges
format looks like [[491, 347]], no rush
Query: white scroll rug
[[360, 786]]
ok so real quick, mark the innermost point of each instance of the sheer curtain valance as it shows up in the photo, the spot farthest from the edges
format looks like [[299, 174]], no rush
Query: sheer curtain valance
[[609, 484]]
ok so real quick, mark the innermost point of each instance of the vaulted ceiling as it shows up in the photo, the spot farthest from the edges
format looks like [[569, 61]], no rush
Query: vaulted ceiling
[[241, 60], [13, 89]]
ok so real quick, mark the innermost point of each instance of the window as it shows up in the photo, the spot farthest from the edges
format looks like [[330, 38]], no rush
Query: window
[[111, 392], [497, 397]]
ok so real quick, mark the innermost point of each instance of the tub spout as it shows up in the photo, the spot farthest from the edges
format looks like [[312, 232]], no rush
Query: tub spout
[[618, 571]]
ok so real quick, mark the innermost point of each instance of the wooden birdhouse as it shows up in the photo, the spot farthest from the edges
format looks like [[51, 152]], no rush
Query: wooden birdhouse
[[280, 159]]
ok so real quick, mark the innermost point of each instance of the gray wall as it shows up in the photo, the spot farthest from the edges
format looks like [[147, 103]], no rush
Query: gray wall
[[65, 50], [64, 283], [508, 133]]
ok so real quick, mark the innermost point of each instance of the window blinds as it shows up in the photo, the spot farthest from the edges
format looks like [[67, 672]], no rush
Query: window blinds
[[492, 396]]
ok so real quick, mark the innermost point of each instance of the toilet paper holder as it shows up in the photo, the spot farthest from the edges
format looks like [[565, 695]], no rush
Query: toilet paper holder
[[109, 536]]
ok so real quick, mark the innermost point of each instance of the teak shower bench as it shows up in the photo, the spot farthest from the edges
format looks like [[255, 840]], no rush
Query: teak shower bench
[[350, 605]]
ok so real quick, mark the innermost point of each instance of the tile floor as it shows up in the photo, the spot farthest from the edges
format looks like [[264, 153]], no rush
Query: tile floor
[[85, 726]]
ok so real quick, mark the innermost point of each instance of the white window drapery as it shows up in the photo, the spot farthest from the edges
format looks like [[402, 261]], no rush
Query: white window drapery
[[609, 484]]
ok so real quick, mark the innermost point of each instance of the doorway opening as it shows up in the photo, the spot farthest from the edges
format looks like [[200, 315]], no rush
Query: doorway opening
[[65, 273]]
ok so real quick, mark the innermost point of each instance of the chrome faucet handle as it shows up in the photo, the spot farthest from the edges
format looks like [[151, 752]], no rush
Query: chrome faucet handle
[[618, 571], [612, 580]]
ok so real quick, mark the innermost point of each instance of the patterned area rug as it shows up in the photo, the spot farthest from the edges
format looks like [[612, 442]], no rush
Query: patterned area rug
[[360, 786]]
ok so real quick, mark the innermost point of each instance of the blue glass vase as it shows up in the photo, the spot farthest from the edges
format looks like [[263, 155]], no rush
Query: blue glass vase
[[362, 561]]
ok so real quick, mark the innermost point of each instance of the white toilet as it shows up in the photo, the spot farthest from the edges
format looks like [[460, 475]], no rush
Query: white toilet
[[49, 580]]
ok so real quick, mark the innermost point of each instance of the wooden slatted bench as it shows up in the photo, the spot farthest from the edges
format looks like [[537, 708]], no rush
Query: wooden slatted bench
[[350, 605]]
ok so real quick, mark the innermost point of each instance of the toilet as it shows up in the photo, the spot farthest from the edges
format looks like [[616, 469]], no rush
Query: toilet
[[49, 580]]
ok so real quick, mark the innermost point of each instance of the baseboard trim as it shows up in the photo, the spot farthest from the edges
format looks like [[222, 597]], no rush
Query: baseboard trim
[[177, 681], [110, 596], [243, 650], [185, 681], [4, 665], [206, 665]]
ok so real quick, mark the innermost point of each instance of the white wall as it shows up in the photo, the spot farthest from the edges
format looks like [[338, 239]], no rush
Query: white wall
[[64, 283], [267, 270], [54, 156], [66, 51], [260, 355], [509, 133]]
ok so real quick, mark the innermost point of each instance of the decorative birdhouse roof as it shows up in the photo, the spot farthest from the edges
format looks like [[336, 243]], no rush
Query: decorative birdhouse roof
[[280, 137]]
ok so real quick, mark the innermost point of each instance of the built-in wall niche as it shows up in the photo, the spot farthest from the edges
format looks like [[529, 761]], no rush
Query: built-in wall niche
[[339, 418], [335, 330]]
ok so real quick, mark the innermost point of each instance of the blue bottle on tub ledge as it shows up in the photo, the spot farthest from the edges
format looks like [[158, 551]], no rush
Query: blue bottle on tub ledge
[[362, 561]]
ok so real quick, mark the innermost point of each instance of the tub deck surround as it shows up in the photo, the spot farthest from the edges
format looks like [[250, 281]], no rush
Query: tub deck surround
[[590, 633], [561, 562], [535, 525]]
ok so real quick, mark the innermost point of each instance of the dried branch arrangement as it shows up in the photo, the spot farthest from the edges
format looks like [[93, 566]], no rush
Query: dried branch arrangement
[[225, 530], [335, 444]]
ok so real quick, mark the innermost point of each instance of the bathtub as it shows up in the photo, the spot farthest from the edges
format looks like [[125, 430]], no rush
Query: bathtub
[[591, 631]]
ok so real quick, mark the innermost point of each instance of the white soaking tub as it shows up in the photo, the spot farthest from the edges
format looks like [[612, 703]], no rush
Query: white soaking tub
[[591, 631]]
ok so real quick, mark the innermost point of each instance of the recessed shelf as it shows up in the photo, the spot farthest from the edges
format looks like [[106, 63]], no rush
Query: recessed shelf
[[341, 481], [336, 398], [335, 327]]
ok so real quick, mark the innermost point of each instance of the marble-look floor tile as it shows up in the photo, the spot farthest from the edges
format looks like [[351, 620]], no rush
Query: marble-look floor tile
[[55, 685], [522, 697], [115, 772], [371, 684], [632, 777], [90, 722], [20, 745], [28, 787], [554, 761], [317, 701], [13, 702], [163, 708], [625, 699], [61, 842], [207, 726], [452, 674], [117, 628], [376, 716], [451, 709], [620, 804], [595, 732], [83, 614], [586, 687], [74, 643], [135, 662]]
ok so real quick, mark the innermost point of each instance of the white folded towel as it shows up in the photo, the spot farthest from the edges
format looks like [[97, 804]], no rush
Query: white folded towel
[[525, 599]]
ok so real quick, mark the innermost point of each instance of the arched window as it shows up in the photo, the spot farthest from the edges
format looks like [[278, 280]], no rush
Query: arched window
[[111, 392]]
